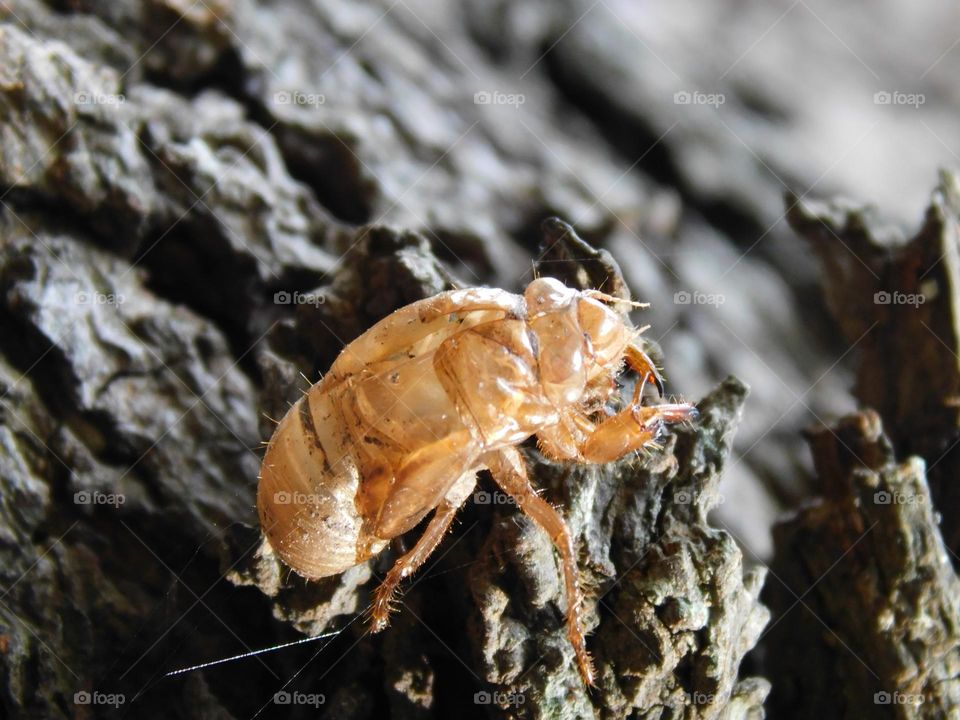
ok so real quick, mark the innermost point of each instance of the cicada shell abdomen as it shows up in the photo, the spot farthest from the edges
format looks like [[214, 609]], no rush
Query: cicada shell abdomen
[[308, 488]]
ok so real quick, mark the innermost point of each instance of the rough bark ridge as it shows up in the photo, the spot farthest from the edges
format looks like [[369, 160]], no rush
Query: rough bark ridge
[[899, 300], [866, 573], [868, 596]]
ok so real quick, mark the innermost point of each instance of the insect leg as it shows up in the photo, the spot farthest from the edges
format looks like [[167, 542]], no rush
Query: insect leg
[[631, 429], [407, 564], [509, 471]]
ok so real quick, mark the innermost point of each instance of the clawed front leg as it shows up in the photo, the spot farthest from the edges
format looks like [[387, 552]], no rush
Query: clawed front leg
[[636, 425], [407, 564], [630, 429], [509, 471]]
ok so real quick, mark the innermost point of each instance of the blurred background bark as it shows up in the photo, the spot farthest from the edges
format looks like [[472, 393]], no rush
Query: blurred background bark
[[200, 200]]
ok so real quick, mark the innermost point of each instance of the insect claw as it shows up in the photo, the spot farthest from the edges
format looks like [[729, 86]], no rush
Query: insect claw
[[639, 361], [658, 381]]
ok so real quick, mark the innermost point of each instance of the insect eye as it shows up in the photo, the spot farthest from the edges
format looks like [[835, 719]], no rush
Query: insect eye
[[601, 323], [545, 294]]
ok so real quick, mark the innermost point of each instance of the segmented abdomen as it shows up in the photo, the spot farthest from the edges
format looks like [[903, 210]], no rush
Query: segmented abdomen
[[308, 488]]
